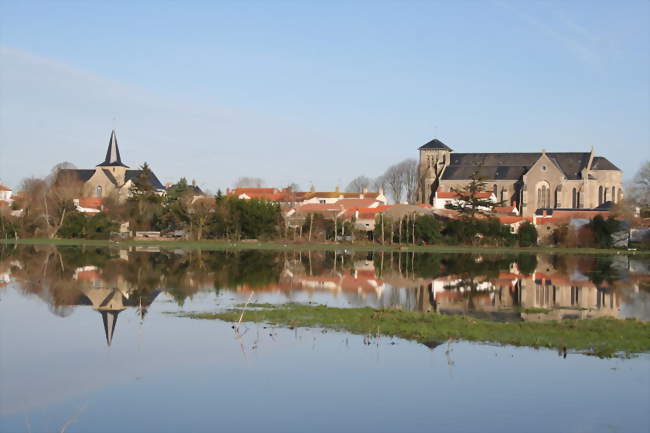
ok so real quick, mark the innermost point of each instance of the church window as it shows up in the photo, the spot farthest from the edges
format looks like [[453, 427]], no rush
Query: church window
[[579, 200], [557, 197], [613, 194], [600, 195], [494, 189], [543, 196], [98, 191], [605, 195], [574, 199]]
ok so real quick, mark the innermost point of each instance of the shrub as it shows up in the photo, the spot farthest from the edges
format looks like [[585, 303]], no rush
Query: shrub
[[527, 235]]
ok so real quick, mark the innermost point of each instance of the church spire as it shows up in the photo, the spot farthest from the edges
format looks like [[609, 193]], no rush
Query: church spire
[[112, 153], [109, 317]]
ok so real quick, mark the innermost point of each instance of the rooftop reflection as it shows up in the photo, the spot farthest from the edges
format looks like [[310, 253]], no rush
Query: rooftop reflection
[[496, 287]]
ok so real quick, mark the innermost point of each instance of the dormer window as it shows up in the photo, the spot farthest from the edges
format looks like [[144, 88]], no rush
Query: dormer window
[[98, 191]]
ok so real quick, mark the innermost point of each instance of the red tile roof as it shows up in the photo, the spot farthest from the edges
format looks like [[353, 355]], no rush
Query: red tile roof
[[4, 188], [510, 219], [503, 209], [91, 202]]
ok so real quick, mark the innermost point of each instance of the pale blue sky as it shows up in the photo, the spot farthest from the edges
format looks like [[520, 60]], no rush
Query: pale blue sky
[[317, 91]]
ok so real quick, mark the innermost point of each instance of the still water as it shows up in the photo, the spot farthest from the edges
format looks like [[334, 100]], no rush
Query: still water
[[87, 343]]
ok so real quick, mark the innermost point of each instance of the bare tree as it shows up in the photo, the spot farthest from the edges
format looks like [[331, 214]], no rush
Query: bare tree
[[410, 169], [46, 202], [249, 182], [379, 183], [358, 184], [640, 188], [394, 177]]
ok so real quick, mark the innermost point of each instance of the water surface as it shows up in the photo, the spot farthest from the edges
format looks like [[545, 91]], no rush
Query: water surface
[[86, 344]]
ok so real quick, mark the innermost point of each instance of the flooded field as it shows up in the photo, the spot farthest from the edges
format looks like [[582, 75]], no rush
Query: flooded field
[[99, 340]]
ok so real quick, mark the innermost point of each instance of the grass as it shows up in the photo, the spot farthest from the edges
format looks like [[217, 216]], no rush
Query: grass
[[603, 337], [219, 245]]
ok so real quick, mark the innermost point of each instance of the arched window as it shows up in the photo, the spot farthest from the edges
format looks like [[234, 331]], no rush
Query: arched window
[[605, 194], [557, 197], [543, 196], [600, 195], [614, 194], [579, 200], [574, 199], [98, 191], [494, 190]]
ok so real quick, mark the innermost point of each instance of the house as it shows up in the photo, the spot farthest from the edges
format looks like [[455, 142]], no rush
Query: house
[[110, 176], [6, 194], [443, 198], [535, 180]]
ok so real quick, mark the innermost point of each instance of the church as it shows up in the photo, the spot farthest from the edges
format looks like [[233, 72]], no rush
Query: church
[[111, 176], [528, 181]]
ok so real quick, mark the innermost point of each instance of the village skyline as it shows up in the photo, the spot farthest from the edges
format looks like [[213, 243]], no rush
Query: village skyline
[[230, 92]]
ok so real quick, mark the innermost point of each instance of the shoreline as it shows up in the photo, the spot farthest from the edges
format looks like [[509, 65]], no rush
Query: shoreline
[[220, 245]]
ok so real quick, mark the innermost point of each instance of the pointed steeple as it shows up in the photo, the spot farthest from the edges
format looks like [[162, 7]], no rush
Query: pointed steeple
[[112, 154], [109, 317]]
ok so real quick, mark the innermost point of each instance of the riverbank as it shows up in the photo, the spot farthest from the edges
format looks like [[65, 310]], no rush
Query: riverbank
[[602, 337], [220, 245]]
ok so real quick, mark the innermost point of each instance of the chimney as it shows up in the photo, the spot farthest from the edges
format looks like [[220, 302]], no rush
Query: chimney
[[337, 189], [312, 189], [364, 190]]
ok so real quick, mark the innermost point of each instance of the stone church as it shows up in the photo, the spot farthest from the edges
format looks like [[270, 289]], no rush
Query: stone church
[[529, 181], [111, 175]]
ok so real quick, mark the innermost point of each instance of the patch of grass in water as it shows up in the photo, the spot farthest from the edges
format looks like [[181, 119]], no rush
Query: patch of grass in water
[[603, 337]]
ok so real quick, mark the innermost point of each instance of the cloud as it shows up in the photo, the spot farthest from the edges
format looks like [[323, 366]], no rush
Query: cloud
[[560, 27]]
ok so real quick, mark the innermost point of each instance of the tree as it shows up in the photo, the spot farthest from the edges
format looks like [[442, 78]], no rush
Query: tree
[[144, 203], [469, 202], [47, 202], [527, 235], [64, 187], [200, 211], [249, 182], [640, 188], [358, 184], [395, 178], [603, 229], [410, 168]]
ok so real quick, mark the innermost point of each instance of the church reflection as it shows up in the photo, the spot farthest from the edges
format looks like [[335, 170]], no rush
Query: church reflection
[[493, 287], [109, 300]]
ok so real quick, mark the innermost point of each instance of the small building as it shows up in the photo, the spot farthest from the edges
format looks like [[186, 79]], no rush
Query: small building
[[111, 175]]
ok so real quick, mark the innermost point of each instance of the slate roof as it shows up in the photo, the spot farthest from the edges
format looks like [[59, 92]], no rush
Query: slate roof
[[601, 163], [435, 144], [113, 158], [85, 174], [512, 166], [82, 174], [133, 174]]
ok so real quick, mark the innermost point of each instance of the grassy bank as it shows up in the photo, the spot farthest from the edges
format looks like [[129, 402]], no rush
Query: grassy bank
[[604, 337], [220, 245]]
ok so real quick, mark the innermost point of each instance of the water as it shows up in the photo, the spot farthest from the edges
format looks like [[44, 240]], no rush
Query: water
[[86, 344]]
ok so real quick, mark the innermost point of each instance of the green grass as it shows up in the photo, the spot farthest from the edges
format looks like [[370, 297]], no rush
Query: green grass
[[603, 337], [220, 245]]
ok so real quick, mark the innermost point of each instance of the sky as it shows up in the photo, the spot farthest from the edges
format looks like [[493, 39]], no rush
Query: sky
[[317, 92]]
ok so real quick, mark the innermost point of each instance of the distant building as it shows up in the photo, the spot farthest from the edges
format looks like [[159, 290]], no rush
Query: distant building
[[111, 175], [6, 196], [530, 181]]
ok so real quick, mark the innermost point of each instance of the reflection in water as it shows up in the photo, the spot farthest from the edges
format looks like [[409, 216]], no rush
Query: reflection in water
[[496, 287]]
